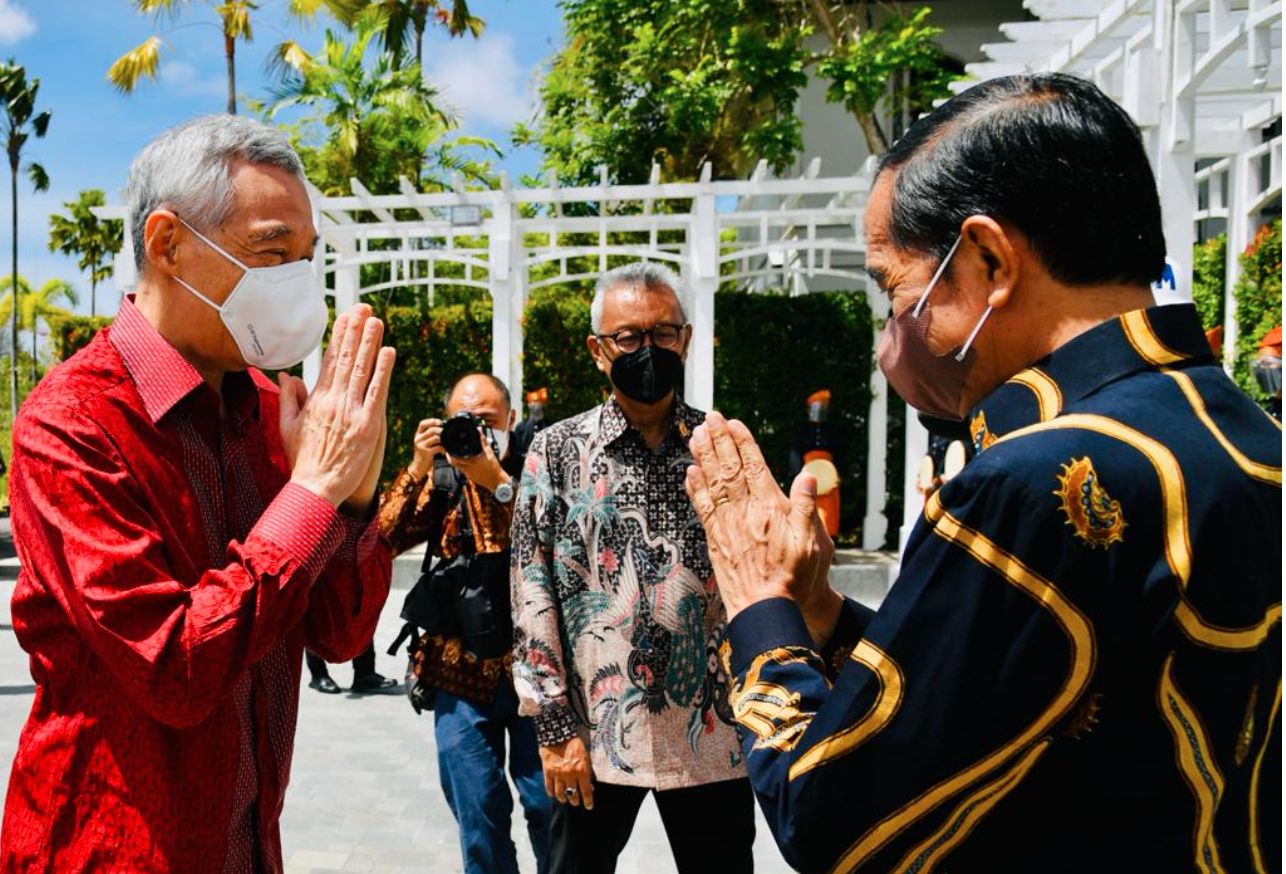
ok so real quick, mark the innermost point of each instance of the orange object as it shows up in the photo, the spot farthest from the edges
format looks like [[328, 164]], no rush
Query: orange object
[[538, 396], [821, 464], [820, 397], [1214, 337], [1272, 341]]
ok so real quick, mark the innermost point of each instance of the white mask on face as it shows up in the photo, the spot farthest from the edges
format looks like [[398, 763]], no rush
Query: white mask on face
[[276, 315], [499, 441]]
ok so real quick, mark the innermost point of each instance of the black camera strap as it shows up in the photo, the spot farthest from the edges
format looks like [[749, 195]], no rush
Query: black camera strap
[[447, 487]]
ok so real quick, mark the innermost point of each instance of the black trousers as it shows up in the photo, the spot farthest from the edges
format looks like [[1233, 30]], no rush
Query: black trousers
[[710, 828], [363, 665]]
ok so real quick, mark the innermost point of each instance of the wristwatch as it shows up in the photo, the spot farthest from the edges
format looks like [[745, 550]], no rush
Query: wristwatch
[[504, 492]]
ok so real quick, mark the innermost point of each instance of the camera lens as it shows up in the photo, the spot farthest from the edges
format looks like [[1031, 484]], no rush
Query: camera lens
[[460, 436]]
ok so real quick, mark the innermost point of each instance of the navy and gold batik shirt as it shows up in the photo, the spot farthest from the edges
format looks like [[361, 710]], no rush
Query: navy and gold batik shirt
[[1079, 667]]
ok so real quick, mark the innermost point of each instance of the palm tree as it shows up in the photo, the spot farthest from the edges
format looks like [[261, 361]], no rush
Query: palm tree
[[95, 240], [34, 307], [407, 19], [234, 22], [19, 98], [353, 99]]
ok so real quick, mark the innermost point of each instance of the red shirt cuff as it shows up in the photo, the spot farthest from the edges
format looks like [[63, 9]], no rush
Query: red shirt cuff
[[361, 536], [307, 527]]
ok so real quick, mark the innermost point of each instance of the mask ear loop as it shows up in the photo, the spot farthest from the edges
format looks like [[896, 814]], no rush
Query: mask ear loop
[[919, 306], [959, 356]]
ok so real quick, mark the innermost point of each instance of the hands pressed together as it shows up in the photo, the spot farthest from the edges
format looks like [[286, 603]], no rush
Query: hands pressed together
[[762, 543], [334, 437]]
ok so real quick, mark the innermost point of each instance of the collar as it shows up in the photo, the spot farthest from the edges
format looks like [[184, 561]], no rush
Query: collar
[[612, 424], [1146, 339], [163, 377]]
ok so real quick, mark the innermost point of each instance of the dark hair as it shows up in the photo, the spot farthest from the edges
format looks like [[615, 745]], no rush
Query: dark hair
[[495, 381], [1050, 154]]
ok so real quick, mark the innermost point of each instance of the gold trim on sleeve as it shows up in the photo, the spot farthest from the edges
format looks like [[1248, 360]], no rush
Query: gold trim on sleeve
[[1196, 763], [1074, 624], [769, 709], [1049, 397], [958, 826], [1253, 469], [888, 699], [1144, 339], [1178, 545]]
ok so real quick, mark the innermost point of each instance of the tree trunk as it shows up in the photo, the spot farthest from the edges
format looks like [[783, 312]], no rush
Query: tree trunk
[[34, 374], [13, 362], [93, 295], [230, 50], [876, 143]]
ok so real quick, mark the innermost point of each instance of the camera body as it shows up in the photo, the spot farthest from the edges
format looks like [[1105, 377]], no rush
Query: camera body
[[460, 437]]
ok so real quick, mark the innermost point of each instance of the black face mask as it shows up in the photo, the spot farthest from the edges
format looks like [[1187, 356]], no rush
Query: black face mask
[[648, 374]]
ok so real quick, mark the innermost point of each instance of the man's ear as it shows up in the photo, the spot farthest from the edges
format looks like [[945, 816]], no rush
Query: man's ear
[[596, 352], [687, 343], [159, 241], [994, 260], [513, 419]]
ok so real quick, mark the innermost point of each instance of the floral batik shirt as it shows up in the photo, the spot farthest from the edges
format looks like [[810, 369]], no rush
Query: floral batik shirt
[[617, 617]]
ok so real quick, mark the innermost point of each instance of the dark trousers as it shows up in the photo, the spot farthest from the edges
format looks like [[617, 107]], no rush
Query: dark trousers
[[710, 828], [363, 665]]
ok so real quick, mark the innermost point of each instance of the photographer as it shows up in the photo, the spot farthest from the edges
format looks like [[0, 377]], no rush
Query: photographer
[[457, 494]]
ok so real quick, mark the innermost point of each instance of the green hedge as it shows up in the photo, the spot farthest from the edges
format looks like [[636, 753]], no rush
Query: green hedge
[[1209, 272], [772, 351], [70, 332], [1259, 300]]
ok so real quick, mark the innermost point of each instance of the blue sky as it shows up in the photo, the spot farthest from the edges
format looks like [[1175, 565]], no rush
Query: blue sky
[[95, 131]]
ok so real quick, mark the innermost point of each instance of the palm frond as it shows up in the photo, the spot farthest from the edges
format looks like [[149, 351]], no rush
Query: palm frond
[[39, 178], [130, 68], [287, 57], [40, 123]]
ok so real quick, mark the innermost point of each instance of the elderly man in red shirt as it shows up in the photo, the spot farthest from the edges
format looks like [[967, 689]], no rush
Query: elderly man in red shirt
[[186, 526]]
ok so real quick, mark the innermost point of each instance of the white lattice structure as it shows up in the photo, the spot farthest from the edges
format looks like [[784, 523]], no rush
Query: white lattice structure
[[763, 233]]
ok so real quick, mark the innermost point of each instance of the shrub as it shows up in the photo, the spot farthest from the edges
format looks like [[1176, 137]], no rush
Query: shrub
[[1259, 300], [1209, 269]]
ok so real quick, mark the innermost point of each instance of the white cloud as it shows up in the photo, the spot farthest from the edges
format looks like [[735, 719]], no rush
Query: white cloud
[[15, 23], [482, 80], [185, 80]]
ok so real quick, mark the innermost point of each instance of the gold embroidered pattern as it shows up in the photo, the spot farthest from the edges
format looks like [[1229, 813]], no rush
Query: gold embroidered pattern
[[1200, 772], [980, 433], [769, 709], [1090, 510], [888, 699]]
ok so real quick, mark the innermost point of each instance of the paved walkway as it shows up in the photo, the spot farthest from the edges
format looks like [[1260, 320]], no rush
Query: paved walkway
[[364, 792]]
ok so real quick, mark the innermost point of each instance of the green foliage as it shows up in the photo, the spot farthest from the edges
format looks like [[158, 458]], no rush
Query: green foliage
[[69, 333], [82, 233], [372, 120], [555, 325], [435, 347], [859, 69], [773, 351], [1209, 271], [675, 82], [1259, 300]]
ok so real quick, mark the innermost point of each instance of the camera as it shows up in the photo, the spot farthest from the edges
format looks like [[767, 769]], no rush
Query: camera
[[460, 437]]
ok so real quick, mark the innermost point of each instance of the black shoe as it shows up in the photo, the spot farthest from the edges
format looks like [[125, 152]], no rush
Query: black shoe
[[375, 684], [325, 685]]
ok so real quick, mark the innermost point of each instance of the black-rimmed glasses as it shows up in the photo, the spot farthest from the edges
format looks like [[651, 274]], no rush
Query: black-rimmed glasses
[[664, 335]]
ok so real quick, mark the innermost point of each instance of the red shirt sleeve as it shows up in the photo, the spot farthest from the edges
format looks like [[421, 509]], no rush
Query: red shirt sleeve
[[177, 646]]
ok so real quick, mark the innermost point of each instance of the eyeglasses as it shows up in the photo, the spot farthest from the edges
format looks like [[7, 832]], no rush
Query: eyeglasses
[[663, 335]]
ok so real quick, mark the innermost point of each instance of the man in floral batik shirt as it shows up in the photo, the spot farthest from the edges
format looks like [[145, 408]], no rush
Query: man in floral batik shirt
[[617, 616]]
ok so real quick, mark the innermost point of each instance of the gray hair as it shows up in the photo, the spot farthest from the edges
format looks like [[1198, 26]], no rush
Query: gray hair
[[187, 169], [639, 274]]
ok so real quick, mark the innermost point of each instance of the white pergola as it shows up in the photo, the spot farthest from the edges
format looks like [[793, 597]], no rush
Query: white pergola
[[1202, 78]]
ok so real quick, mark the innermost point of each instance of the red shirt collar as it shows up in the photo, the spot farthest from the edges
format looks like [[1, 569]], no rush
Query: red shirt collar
[[161, 373]]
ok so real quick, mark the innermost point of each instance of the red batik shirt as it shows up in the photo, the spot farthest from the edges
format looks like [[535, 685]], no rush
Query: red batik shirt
[[171, 578]]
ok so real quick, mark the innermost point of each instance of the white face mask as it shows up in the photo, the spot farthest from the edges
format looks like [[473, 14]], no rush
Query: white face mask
[[499, 441], [276, 315]]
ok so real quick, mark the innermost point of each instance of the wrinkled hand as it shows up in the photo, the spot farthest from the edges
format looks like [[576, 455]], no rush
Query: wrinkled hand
[[482, 469], [334, 438], [566, 766], [762, 544], [428, 446]]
